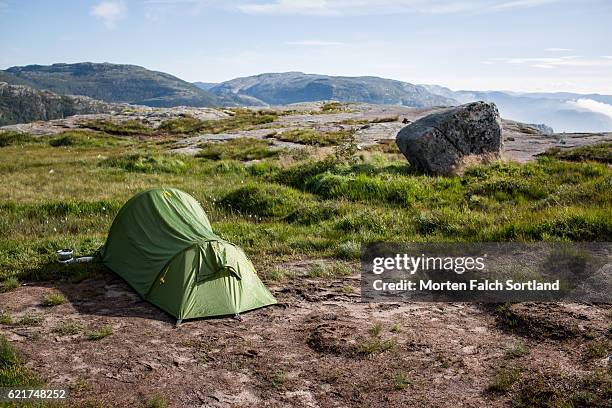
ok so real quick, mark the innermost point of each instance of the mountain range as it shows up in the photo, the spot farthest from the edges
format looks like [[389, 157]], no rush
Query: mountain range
[[120, 83], [291, 87], [111, 83]]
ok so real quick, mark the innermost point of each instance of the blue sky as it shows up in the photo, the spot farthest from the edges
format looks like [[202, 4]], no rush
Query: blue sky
[[520, 45]]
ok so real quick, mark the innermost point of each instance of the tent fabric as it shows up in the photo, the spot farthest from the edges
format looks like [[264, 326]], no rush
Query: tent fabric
[[161, 242]]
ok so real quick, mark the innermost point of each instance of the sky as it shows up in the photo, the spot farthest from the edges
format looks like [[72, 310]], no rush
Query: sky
[[515, 45]]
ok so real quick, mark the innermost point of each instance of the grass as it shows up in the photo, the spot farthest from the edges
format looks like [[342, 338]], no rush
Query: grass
[[263, 200], [6, 318], [242, 149], [329, 270], [30, 320], [286, 207], [385, 119], [10, 284], [402, 381], [540, 391], [130, 127], [601, 152], [348, 250], [149, 163], [312, 137], [54, 299], [240, 119], [156, 401], [517, 350], [376, 330], [276, 274], [81, 386], [503, 379], [100, 333], [68, 329], [12, 372], [333, 107], [597, 350], [375, 345], [11, 138], [86, 139]]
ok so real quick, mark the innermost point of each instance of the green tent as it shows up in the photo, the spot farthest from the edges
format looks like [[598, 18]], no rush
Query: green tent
[[162, 244]]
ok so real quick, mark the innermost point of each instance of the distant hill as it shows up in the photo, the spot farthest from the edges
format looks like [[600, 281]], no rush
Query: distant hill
[[22, 104], [205, 85], [111, 83], [292, 87], [563, 111]]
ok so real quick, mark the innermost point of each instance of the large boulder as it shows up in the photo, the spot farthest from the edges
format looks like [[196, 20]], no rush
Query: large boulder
[[442, 142]]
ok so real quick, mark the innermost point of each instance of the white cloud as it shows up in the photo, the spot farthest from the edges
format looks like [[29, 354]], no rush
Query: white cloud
[[593, 106], [110, 12], [554, 62], [365, 7], [506, 5], [555, 49], [314, 43]]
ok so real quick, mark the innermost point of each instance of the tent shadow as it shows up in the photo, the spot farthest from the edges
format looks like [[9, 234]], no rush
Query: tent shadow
[[93, 289]]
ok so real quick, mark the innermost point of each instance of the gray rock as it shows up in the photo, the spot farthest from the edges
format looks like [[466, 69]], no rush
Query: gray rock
[[441, 142], [22, 104]]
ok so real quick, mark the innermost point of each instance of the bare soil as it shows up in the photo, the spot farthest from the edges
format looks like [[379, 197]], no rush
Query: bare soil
[[319, 347]]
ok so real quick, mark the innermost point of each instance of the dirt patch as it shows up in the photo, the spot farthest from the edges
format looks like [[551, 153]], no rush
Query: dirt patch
[[319, 348], [552, 320]]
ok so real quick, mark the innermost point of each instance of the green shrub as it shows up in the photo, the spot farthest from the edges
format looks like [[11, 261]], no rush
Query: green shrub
[[82, 138], [385, 119], [375, 345], [314, 212], [30, 320], [183, 125], [504, 379], [362, 187], [242, 148], [68, 329], [348, 250], [156, 401], [402, 381], [516, 350], [312, 137], [361, 221], [329, 270], [332, 107], [6, 318], [132, 127], [591, 225], [268, 200], [600, 152], [54, 299], [10, 138], [543, 391], [241, 119], [100, 333]]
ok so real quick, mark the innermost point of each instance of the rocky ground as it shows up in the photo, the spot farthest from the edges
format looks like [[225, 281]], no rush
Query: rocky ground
[[372, 124]]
